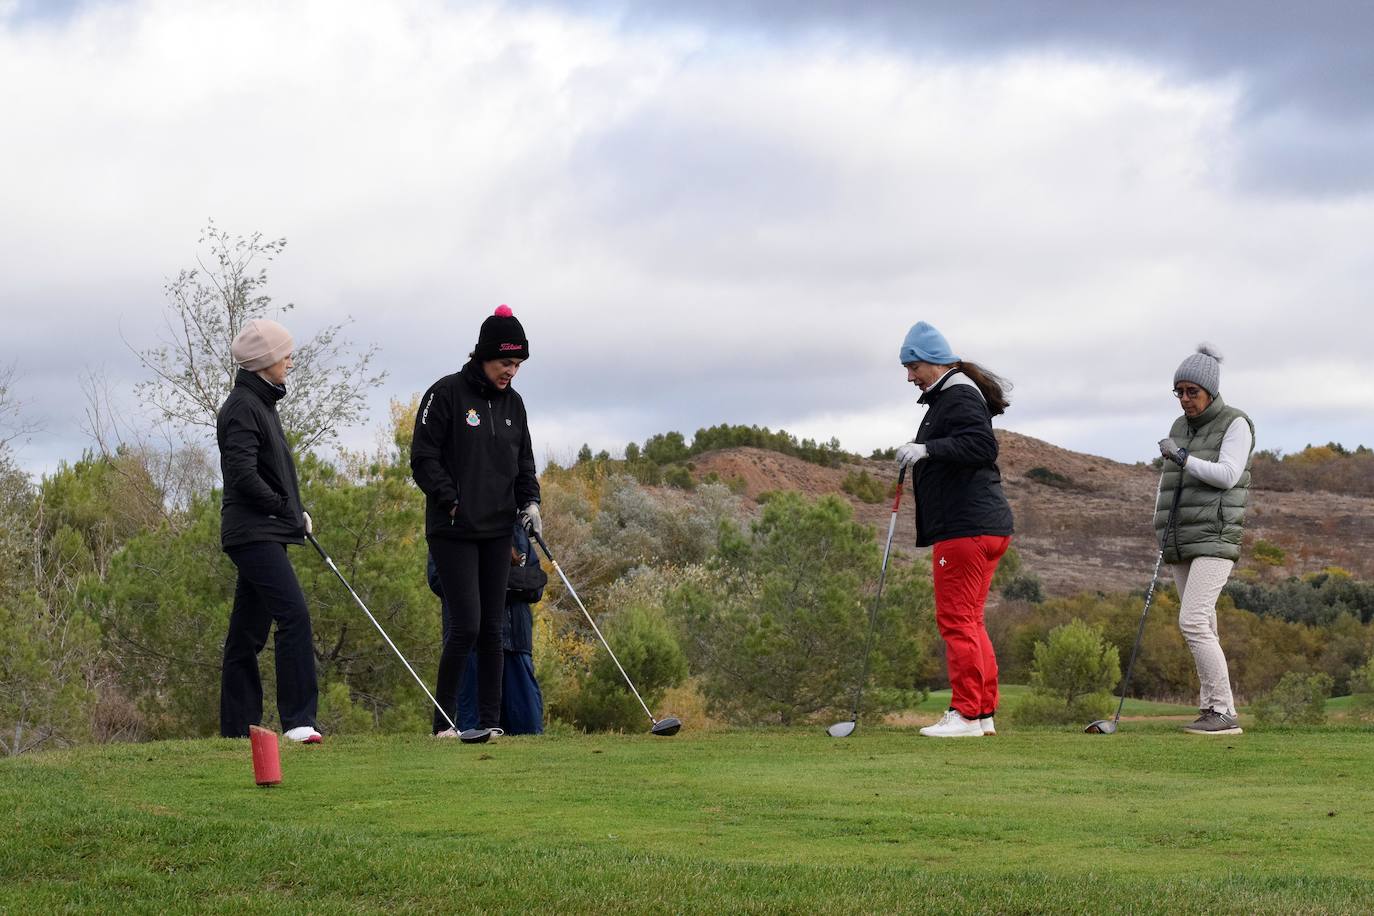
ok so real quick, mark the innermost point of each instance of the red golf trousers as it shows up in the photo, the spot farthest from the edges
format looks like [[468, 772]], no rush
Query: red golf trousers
[[963, 574]]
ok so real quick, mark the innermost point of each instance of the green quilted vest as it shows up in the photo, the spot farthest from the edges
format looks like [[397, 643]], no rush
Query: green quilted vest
[[1209, 520]]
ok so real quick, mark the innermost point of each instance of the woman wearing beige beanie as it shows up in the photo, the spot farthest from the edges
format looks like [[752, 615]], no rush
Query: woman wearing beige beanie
[[261, 515]]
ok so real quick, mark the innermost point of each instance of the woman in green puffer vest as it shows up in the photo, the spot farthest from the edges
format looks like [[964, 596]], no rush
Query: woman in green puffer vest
[[1210, 447]]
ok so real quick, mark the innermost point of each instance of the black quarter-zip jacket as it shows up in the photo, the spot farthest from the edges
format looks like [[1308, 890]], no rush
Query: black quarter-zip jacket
[[472, 447], [262, 499], [958, 486]]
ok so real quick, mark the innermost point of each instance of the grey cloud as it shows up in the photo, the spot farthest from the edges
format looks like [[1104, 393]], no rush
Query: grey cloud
[[1306, 112]]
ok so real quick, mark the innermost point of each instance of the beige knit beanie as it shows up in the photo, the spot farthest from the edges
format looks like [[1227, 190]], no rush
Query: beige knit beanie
[[260, 344]]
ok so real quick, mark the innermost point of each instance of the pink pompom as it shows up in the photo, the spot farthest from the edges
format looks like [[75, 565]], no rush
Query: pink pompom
[[503, 311]]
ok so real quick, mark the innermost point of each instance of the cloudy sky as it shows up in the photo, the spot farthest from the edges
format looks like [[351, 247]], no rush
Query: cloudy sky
[[714, 211]]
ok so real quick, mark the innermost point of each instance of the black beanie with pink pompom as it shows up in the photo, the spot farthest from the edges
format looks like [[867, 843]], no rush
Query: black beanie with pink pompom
[[502, 337]]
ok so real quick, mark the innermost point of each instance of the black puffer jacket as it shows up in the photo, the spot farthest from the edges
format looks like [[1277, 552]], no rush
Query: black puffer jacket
[[472, 446], [262, 499], [958, 486]]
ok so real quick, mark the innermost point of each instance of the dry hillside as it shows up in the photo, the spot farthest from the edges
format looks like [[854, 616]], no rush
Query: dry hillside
[[1089, 530]]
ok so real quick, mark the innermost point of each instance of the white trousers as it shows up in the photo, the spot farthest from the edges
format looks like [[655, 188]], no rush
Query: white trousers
[[1199, 585]]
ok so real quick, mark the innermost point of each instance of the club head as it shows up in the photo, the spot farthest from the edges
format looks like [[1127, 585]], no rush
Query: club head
[[842, 729], [475, 736], [667, 726], [1101, 727]]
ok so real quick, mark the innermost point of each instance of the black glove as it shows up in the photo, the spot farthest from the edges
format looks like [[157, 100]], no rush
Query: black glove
[[1173, 451]]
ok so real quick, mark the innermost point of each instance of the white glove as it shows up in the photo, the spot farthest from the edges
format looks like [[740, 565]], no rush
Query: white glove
[[909, 453], [309, 525], [530, 517]]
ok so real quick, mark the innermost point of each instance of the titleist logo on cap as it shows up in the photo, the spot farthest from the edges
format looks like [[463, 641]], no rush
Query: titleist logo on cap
[[510, 346]]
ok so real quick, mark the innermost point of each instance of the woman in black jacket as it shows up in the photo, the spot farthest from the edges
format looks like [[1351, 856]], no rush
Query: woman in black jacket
[[962, 513], [261, 514], [471, 455]]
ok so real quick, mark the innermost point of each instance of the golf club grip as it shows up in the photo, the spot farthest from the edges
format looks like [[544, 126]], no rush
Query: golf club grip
[[901, 478], [539, 539]]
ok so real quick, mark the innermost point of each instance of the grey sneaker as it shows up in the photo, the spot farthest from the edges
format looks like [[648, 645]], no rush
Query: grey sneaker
[[1211, 722]]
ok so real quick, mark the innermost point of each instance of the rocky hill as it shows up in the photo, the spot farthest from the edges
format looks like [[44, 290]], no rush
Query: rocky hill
[[1084, 522]]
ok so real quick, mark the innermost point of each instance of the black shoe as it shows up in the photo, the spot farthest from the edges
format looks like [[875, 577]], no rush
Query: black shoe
[[1211, 722]]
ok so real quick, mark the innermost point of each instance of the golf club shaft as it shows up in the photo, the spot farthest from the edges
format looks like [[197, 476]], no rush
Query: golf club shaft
[[1139, 632], [329, 561], [882, 577], [1149, 596], [538, 539]]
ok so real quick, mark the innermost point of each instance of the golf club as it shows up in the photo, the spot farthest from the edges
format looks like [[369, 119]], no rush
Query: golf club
[[1108, 726], [329, 561], [670, 725], [845, 729]]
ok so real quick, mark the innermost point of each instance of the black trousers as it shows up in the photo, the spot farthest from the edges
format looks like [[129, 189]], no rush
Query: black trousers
[[473, 575], [267, 591]]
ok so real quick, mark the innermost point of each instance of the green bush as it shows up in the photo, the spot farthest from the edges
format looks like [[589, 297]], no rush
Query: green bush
[[1073, 671], [1024, 587], [1043, 709], [865, 487], [1267, 553], [651, 657], [1049, 478], [1297, 699], [776, 630], [678, 476], [1362, 693]]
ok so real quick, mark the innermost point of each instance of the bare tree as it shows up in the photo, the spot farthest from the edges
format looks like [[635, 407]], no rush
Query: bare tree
[[207, 307], [12, 424], [162, 468]]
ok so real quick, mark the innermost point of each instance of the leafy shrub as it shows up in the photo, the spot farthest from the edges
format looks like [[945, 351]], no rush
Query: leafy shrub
[[1024, 587], [776, 631], [1317, 599], [651, 657], [865, 487], [1071, 676], [678, 476], [1267, 553], [1362, 693], [1049, 478], [884, 454], [1297, 699], [1331, 467]]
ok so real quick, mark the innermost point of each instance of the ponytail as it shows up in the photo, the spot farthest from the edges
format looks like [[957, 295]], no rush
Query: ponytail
[[994, 387]]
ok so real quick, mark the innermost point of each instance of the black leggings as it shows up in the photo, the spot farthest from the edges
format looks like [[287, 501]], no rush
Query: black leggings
[[473, 574]]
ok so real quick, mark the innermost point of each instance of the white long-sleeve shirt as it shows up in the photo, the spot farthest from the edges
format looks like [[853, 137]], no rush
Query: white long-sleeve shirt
[[1230, 464]]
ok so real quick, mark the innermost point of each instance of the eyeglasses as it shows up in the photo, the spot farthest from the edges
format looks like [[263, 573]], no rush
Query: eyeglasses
[[1190, 393]]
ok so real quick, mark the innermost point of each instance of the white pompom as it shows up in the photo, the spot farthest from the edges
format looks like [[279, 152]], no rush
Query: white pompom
[[1207, 349]]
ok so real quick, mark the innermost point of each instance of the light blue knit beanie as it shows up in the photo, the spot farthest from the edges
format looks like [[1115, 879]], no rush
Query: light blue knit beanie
[[925, 344]]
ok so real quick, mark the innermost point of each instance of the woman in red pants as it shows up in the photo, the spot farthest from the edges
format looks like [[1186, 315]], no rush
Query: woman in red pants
[[961, 513]]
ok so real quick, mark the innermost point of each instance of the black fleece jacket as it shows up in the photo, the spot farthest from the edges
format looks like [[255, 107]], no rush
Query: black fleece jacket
[[957, 485], [472, 447], [262, 499]]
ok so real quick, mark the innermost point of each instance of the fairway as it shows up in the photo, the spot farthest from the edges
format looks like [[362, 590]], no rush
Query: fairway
[[726, 821]]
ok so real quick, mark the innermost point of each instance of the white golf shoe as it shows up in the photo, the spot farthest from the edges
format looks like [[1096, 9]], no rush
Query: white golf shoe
[[304, 734], [988, 727], [953, 725]]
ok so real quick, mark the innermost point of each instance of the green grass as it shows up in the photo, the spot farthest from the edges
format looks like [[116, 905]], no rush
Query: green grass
[[1148, 820], [1010, 694]]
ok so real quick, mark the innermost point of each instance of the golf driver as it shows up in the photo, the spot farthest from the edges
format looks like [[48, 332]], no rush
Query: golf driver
[[845, 729], [330, 563], [669, 725], [1108, 726]]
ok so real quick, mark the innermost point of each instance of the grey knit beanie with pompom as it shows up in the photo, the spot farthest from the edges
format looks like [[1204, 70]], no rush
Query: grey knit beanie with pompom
[[1203, 369]]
